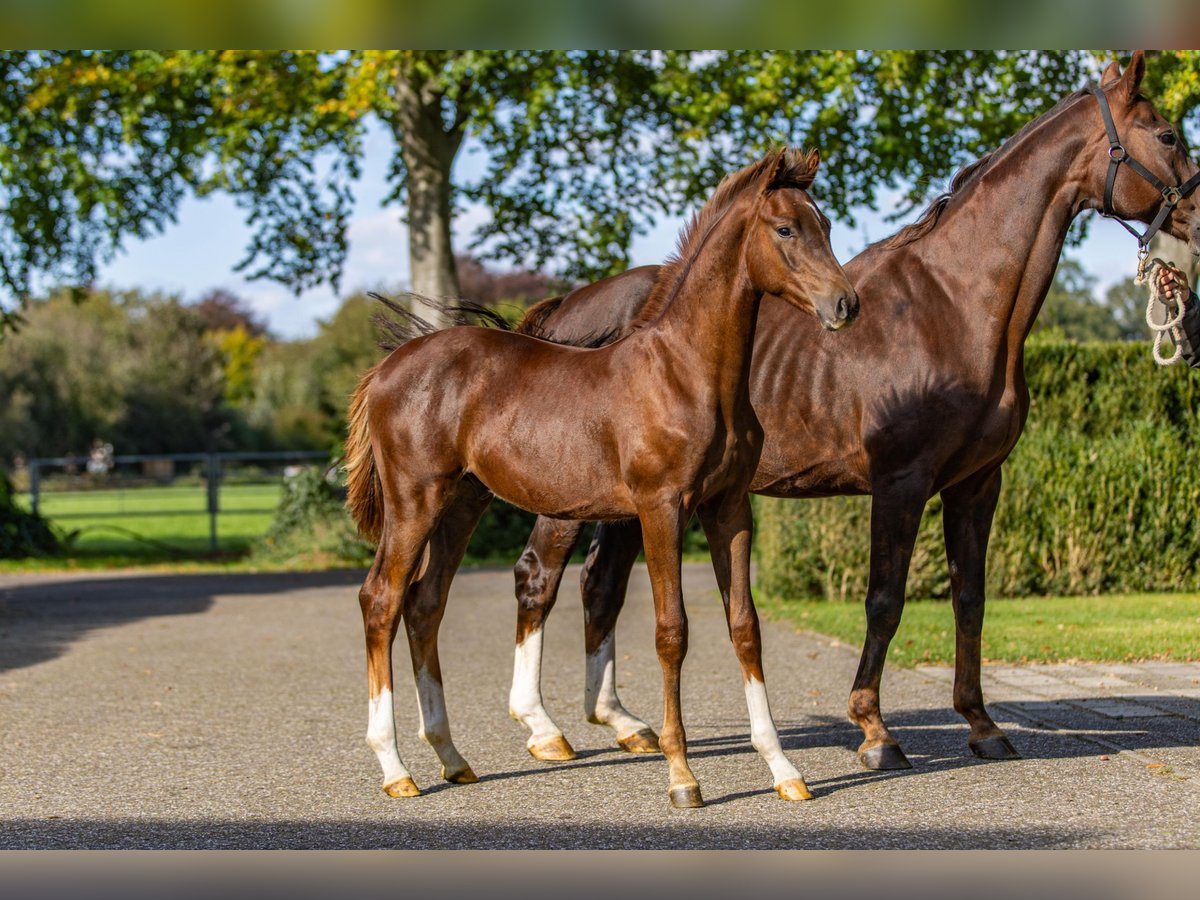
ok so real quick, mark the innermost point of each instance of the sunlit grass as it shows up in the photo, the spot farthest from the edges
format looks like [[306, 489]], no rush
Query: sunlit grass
[[168, 524], [1032, 629]]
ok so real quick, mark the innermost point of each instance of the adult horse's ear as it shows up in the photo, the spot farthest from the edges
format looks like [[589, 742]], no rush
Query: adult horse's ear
[[1132, 79], [1111, 74]]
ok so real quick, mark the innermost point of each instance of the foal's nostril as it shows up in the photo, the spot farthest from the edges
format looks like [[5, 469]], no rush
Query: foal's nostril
[[846, 310]]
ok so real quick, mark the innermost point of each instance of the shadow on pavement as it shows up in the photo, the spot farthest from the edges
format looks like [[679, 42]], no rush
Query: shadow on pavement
[[388, 833], [40, 618]]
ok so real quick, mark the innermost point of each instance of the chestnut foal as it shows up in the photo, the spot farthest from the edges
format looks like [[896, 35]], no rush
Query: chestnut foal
[[667, 430]]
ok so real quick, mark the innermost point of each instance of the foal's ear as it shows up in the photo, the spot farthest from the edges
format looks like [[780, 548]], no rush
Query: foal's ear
[[794, 169], [779, 170], [1132, 79]]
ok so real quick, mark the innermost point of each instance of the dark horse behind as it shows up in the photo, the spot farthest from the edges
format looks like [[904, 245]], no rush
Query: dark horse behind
[[926, 395]]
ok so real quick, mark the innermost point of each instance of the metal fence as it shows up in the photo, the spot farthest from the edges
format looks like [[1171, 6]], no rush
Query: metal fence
[[161, 468]]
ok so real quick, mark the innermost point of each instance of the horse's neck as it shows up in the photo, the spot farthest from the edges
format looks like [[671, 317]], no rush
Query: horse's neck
[[709, 323], [997, 246]]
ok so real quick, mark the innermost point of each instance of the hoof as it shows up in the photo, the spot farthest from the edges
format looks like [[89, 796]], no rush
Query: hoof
[[463, 776], [997, 747], [793, 789], [884, 756], [686, 797], [552, 749], [402, 787], [644, 741]]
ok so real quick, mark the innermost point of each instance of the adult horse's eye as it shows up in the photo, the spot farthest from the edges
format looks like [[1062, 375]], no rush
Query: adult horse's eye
[[1168, 138], [783, 231]]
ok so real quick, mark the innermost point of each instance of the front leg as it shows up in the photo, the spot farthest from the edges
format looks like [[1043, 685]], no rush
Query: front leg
[[662, 528], [967, 511], [728, 523], [896, 509]]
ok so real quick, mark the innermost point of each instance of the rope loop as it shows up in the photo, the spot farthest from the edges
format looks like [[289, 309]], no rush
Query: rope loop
[[1172, 312]]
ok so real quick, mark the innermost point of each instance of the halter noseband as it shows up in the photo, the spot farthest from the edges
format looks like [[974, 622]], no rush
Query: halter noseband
[[1117, 155]]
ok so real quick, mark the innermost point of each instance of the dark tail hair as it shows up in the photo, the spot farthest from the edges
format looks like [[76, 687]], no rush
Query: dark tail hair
[[396, 332], [535, 317], [364, 492]]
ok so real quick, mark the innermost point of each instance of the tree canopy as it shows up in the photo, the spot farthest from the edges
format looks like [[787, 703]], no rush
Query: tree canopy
[[583, 149]]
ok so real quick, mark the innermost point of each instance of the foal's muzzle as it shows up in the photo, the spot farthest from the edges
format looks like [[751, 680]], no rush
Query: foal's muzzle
[[839, 313]]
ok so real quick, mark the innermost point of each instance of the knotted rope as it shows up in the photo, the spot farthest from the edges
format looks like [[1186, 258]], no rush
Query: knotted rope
[[1171, 310]]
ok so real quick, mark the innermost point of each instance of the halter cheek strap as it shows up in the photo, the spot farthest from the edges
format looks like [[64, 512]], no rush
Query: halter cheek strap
[[1117, 155]]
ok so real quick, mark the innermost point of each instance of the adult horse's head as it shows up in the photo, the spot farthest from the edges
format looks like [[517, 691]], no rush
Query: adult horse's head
[[1139, 137], [787, 244]]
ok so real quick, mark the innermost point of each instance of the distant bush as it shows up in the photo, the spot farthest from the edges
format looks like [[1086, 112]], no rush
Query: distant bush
[[311, 527], [1100, 494], [22, 533]]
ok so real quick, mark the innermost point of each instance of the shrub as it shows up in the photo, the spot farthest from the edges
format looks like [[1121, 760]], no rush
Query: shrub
[[22, 533], [1099, 494]]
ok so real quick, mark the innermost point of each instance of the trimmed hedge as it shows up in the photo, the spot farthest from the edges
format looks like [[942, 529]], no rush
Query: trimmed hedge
[[1099, 495]]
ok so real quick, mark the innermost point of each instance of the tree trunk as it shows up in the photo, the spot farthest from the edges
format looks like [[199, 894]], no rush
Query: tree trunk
[[428, 150]]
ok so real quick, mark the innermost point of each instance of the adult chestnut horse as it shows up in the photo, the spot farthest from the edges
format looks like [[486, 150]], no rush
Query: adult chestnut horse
[[657, 425], [927, 395]]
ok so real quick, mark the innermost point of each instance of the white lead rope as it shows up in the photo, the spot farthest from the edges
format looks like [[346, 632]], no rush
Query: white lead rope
[[1171, 311]]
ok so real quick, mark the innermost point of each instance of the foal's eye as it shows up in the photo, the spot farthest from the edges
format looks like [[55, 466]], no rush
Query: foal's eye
[[783, 231], [1168, 138]]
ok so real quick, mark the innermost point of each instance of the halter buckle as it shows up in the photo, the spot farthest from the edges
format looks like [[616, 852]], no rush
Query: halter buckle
[[1117, 153], [1172, 195]]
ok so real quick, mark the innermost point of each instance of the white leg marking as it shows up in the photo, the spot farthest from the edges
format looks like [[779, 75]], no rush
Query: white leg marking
[[381, 736], [763, 735], [434, 727], [525, 698], [600, 702]]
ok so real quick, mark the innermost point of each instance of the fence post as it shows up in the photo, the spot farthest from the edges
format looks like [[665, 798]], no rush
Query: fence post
[[214, 474], [35, 483]]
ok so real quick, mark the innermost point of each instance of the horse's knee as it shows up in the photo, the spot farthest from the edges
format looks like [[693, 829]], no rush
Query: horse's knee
[[671, 642], [883, 615], [968, 613]]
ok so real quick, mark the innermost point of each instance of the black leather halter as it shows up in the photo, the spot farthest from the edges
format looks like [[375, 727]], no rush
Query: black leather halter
[[1117, 155]]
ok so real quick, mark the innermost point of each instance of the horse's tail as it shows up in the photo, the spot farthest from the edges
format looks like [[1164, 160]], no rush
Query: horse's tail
[[364, 491]]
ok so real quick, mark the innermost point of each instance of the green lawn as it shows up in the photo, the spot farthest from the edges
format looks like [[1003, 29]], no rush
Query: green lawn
[[1033, 629], [172, 525]]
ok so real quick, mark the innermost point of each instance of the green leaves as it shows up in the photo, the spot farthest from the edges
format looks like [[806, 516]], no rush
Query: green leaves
[[584, 149], [100, 146]]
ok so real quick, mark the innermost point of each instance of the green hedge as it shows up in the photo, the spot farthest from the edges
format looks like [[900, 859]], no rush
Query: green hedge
[[1100, 494]]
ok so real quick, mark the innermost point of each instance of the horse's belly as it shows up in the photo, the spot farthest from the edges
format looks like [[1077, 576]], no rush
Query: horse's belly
[[566, 493]]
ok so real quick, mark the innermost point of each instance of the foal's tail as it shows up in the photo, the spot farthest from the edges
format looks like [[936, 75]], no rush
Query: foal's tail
[[364, 492]]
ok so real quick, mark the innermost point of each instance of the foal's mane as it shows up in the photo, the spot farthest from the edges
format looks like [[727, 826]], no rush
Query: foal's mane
[[786, 167], [964, 177]]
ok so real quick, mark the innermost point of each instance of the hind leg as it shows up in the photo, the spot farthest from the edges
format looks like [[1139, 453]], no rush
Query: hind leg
[[538, 574], [728, 523], [967, 513], [603, 583], [381, 599], [424, 605]]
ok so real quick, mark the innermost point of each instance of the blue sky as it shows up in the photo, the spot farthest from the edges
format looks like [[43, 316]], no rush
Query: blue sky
[[200, 250]]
